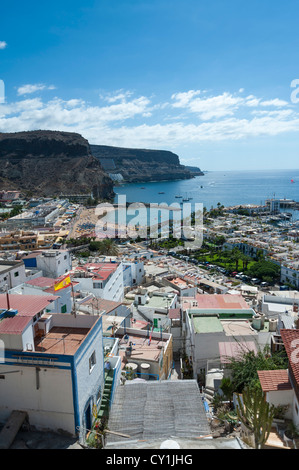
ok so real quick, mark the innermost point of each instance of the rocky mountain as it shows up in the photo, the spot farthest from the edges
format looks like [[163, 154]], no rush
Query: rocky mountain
[[140, 165], [51, 163], [195, 170]]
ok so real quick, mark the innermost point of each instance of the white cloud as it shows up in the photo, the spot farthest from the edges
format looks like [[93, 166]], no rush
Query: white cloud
[[275, 102], [29, 89], [119, 96], [123, 119], [3, 45]]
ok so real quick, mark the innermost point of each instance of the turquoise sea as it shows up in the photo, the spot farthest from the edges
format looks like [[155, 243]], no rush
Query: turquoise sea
[[227, 187]]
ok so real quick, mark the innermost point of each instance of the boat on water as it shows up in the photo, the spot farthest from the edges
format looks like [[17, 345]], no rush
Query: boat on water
[[178, 197], [161, 192], [187, 198]]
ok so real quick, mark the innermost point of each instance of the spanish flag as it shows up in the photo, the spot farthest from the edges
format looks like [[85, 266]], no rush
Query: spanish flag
[[62, 283]]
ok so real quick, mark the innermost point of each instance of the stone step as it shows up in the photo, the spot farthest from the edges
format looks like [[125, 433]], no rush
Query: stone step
[[209, 393]]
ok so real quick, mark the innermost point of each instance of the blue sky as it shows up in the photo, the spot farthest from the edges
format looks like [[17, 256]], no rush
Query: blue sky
[[208, 80]]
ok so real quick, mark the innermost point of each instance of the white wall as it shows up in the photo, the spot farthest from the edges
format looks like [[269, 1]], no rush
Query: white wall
[[285, 397], [54, 266], [113, 289], [14, 277], [295, 411], [49, 407]]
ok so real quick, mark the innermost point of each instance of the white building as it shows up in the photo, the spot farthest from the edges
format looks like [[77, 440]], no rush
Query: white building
[[104, 280], [52, 367], [281, 387], [45, 286], [12, 273], [52, 263], [205, 329], [133, 273], [290, 274], [155, 306]]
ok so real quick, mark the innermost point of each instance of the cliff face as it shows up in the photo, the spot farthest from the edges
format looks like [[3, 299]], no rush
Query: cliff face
[[195, 170], [138, 165], [51, 163]]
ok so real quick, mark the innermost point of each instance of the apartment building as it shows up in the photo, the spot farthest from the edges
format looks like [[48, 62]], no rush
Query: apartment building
[[51, 367], [104, 280], [18, 241], [12, 273], [52, 263]]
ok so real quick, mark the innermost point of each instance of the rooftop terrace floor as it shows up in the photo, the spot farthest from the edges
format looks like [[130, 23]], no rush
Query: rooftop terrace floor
[[61, 340]]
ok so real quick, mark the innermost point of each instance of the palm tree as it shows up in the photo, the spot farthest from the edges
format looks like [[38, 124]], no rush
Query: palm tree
[[236, 255], [108, 247], [245, 260]]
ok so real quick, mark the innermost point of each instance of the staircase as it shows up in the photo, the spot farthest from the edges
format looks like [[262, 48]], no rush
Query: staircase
[[105, 403], [209, 394]]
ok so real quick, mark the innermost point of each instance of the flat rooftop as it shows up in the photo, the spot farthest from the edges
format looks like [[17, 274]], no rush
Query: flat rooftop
[[61, 340], [238, 327], [180, 283], [157, 301], [142, 349], [207, 324]]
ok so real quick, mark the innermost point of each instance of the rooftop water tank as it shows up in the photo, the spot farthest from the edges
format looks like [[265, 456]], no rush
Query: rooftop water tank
[[272, 325], [257, 322], [145, 370]]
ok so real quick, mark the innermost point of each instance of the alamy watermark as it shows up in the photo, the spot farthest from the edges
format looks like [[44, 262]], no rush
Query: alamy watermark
[[295, 93], [182, 221]]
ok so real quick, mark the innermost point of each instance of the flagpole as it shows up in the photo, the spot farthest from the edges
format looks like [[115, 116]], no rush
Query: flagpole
[[74, 305]]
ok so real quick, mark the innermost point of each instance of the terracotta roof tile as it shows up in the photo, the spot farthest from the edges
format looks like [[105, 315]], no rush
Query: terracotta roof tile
[[274, 380], [290, 340]]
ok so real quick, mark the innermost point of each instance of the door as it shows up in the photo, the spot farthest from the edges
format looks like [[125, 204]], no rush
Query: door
[[88, 418]]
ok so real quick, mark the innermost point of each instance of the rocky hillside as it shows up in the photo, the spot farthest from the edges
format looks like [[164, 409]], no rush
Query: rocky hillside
[[51, 163], [140, 165]]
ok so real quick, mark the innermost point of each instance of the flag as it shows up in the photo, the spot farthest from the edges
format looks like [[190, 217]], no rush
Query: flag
[[62, 283]]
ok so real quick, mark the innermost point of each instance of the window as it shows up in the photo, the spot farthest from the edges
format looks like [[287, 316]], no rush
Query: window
[[63, 309], [16, 274], [97, 285], [92, 361]]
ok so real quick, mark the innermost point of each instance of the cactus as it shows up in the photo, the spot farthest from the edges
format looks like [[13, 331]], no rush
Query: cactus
[[256, 415]]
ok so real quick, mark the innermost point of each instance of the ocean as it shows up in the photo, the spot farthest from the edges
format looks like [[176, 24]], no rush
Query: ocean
[[230, 188]]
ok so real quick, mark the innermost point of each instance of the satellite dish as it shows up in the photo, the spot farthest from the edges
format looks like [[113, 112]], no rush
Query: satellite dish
[[170, 444]]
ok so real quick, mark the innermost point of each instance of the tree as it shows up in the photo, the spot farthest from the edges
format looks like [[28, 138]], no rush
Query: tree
[[236, 255], [245, 261], [256, 414], [104, 247], [244, 367], [227, 388]]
